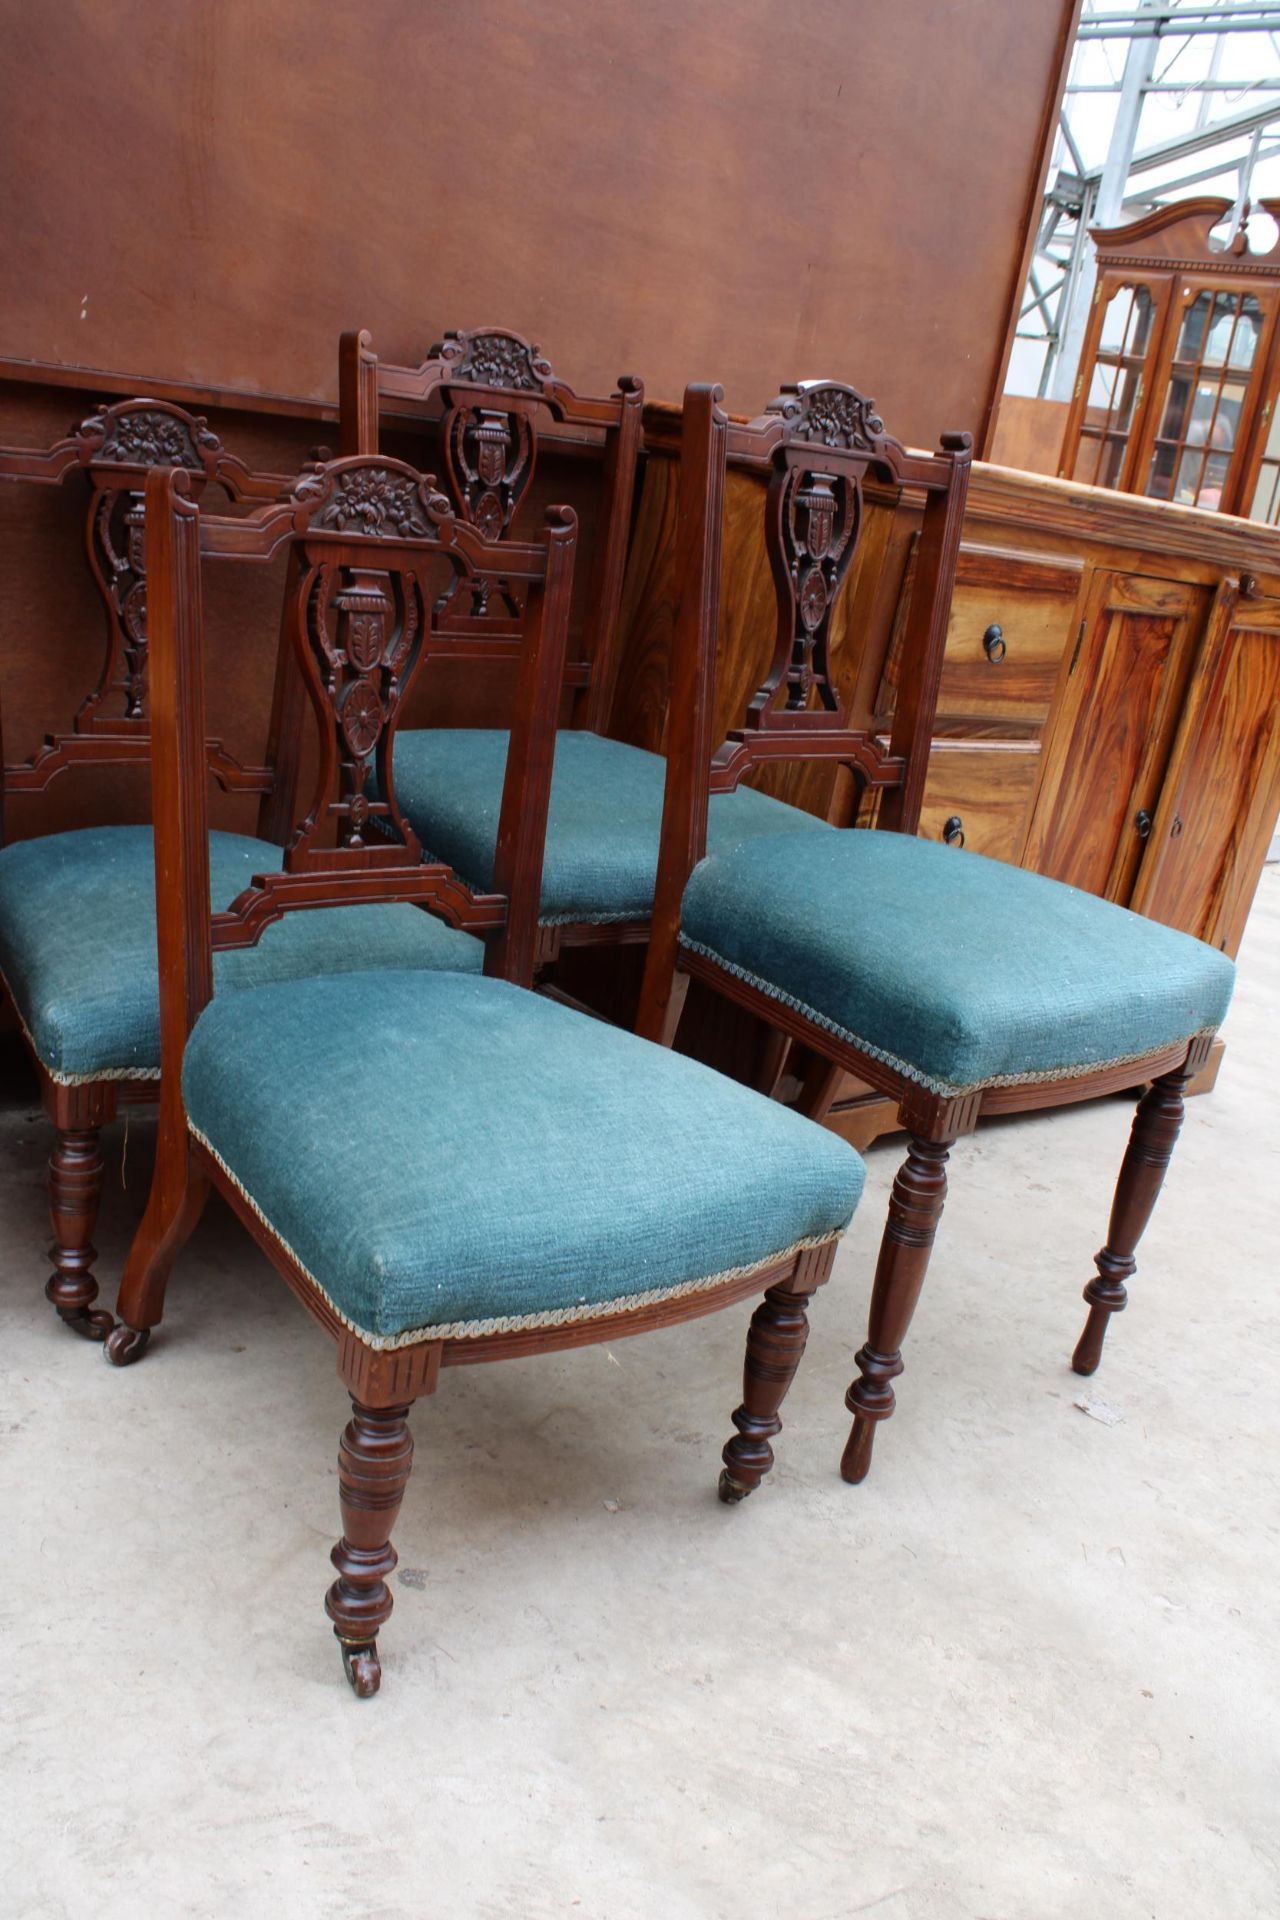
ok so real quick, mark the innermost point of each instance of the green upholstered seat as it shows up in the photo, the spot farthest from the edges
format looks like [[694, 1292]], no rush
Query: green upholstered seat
[[957, 971], [78, 943], [603, 827], [448, 1154]]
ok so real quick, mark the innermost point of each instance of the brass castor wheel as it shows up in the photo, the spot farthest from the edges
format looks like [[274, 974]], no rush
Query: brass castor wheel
[[363, 1668], [124, 1344], [731, 1491]]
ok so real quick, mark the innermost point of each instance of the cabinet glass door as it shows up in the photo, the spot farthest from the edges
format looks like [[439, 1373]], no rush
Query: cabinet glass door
[[1265, 504], [1126, 333], [1201, 411]]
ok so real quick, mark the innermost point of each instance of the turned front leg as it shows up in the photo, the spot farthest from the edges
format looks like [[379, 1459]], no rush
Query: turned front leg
[[775, 1343], [915, 1208], [75, 1191], [374, 1461], [1156, 1126]]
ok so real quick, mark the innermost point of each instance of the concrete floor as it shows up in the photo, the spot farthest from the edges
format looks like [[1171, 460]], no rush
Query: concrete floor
[[1028, 1670]]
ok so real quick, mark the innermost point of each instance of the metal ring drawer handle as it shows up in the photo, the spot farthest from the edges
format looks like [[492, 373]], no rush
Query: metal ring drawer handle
[[993, 644], [953, 832]]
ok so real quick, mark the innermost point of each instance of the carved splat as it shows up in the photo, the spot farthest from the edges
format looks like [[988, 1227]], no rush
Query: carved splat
[[116, 447], [118, 564], [490, 455], [359, 633], [813, 533], [814, 522], [364, 628], [139, 435], [490, 450]]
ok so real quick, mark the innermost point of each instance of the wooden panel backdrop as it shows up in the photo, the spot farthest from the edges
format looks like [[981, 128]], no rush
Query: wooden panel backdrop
[[747, 191]]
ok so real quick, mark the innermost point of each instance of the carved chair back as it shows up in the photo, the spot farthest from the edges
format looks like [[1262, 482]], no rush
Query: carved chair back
[[817, 442], [362, 535], [490, 392], [115, 449]]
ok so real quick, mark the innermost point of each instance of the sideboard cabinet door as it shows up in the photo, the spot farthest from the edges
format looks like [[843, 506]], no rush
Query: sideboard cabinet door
[[1221, 797], [1112, 732]]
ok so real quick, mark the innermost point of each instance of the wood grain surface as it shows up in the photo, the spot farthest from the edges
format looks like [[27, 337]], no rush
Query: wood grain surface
[[777, 188]]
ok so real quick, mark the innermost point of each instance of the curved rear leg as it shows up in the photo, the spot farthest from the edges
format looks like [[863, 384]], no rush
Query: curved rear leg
[[1156, 1126], [178, 1194], [75, 1191]]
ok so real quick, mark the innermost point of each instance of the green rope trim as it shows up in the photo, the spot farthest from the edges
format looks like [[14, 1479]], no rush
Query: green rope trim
[[516, 1322], [73, 1079], [909, 1072]]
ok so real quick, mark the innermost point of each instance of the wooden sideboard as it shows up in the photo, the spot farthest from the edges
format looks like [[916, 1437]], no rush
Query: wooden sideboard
[[1120, 731], [1109, 711]]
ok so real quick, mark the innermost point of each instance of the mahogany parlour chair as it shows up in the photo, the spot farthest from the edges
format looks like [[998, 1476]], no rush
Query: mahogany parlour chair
[[488, 390], [956, 984], [444, 1168], [77, 909]]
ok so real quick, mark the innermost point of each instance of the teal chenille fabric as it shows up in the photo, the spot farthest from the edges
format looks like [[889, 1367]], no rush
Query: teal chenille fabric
[[603, 827], [446, 1151], [958, 971], [78, 943]]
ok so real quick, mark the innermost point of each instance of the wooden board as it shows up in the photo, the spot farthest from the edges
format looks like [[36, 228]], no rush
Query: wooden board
[[1028, 433], [748, 192]]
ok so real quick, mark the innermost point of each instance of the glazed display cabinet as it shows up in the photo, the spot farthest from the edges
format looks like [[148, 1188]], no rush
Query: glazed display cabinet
[[1181, 363]]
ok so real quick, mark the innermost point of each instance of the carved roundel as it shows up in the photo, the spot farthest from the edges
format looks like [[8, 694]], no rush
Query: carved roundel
[[487, 516], [813, 599], [362, 718], [133, 612]]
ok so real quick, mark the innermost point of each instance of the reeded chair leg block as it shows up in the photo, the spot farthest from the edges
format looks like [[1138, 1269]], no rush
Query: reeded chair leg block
[[374, 1462], [75, 1191], [915, 1208], [1156, 1126], [775, 1345]]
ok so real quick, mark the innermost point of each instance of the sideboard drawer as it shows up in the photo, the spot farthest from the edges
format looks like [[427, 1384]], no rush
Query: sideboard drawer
[[1004, 648], [1012, 615], [986, 788]]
